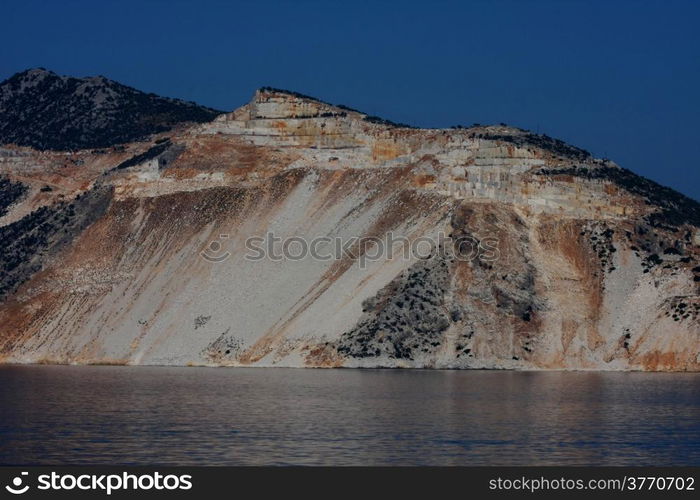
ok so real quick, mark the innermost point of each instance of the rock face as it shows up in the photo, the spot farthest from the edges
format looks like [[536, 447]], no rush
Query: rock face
[[41, 109], [512, 250]]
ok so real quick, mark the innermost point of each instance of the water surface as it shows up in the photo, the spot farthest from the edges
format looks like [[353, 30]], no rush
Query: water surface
[[231, 416]]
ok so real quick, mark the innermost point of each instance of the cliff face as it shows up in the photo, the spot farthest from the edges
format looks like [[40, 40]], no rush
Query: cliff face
[[527, 253]]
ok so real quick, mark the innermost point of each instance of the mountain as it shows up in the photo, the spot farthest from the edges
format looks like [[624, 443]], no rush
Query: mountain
[[43, 110], [512, 250]]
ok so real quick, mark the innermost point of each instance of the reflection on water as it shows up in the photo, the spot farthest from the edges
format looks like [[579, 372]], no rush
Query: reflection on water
[[157, 415]]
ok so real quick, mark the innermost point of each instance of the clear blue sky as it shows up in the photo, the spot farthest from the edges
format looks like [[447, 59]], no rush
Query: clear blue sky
[[619, 78]]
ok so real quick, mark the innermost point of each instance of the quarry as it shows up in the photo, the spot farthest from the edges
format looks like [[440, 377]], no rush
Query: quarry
[[596, 268]]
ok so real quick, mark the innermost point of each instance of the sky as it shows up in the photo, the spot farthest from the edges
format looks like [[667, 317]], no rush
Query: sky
[[618, 78]]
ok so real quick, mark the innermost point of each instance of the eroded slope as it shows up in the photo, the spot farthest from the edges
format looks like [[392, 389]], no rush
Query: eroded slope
[[544, 257]]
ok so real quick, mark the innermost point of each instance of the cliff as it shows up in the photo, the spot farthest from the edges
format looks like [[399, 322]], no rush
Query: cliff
[[524, 252]]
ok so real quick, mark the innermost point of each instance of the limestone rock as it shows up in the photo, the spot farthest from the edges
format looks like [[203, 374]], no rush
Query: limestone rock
[[543, 257]]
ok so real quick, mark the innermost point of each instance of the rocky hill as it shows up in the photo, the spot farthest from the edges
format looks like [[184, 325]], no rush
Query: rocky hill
[[539, 256], [41, 109]]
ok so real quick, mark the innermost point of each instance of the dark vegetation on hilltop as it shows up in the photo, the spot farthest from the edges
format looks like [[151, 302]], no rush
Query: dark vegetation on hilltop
[[348, 108], [384, 121], [525, 138], [293, 94], [676, 209], [542, 141], [43, 110], [368, 118], [10, 192]]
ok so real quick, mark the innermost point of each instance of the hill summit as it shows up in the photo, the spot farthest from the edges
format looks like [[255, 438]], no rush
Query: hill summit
[[43, 110]]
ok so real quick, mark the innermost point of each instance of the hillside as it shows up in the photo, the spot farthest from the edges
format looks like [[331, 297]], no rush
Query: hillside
[[43, 110], [544, 257]]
